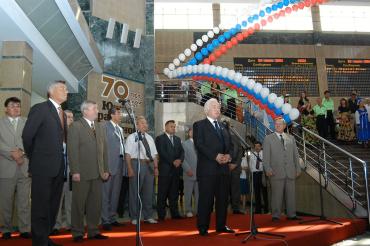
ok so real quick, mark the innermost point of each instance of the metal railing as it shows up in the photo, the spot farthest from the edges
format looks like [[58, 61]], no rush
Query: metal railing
[[339, 167]]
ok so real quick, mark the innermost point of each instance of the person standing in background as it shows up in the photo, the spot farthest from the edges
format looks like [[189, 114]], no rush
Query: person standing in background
[[15, 183], [328, 103], [320, 113]]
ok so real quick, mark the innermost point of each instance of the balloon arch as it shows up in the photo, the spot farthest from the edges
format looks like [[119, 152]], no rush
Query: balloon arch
[[214, 44]]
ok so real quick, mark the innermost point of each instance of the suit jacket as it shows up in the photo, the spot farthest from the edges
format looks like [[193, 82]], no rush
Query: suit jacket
[[87, 154], [283, 162], [208, 144], [190, 160], [238, 153], [168, 153], [115, 162], [9, 140], [43, 140]]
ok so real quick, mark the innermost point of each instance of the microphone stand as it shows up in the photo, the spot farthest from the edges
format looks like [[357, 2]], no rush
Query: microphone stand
[[253, 232], [139, 138]]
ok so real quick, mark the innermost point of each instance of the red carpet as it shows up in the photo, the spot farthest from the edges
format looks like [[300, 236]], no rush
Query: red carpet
[[183, 232]]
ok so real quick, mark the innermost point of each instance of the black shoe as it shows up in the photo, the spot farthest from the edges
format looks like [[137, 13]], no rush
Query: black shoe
[[203, 232], [25, 235], [99, 237], [294, 218], [7, 235], [117, 224], [237, 212], [226, 230], [274, 219], [107, 227], [178, 217], [54, 232], [78, 239]]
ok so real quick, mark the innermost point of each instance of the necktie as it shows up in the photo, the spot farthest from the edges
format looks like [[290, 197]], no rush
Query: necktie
[[171, 138], [282, 140], [14, 124], [258, 161], [118, 133], [93, 128], [147, 148], [217, 128], [61, 118]]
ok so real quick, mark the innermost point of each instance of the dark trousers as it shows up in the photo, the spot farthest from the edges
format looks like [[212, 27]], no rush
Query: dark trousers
[[321, 126], [123, 196], [259, 192], [235, 189], [46, 193], [168, 188], [211, 187], [330, 124]]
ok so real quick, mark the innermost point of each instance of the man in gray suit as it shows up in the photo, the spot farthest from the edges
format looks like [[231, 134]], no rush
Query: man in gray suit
[[87, 155], [189, 167], [281, 163], [14, 178], [112, 188]]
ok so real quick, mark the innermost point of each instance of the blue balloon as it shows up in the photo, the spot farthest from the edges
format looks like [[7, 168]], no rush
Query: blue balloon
[[204, 51], [250, 19], [233, 31], [287, 118], [262, 13], [238, 27], [292, 1], [193, 61], [264, 100], [221, 39], [198, 56], [244, 23], [215, 43], [274, 7], [278, 110], [268, 10], [227, 34], [210, 47], [280, 5], [270, 105], [286, 2], [255, 17]]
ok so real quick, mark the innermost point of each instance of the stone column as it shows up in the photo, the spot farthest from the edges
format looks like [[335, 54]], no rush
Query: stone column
[[16, 73]]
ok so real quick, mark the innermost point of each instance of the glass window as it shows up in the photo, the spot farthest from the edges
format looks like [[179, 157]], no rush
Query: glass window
[[345, 18], [234, 13], [193, 15]]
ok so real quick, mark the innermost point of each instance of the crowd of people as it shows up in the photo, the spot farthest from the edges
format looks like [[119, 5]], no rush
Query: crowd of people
[[67, 173]]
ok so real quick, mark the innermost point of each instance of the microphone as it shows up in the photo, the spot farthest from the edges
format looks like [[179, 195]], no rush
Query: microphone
[[122, 101], [225, 123]]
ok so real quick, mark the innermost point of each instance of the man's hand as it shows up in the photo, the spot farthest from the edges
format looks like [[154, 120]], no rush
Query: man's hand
[[105, 176], [220, 158], [227, 158], [232, 166], [16, 154], [190, 173], [177, 162], [20, 161], [269, 174], [76, 177], [130, 172]]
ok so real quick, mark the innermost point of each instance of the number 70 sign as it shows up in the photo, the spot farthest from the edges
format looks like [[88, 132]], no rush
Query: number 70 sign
[[120, 88]]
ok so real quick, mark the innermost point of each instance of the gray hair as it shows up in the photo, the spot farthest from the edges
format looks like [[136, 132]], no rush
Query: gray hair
[[208, 104], [139, 118], [86, 104], [53, 84]]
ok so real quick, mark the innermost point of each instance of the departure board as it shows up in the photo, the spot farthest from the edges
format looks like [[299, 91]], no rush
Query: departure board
[[345, 75], [281, 75]]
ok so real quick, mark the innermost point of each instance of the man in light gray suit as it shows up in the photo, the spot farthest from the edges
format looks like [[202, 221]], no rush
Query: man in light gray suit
[[281, 163], [189, 167], [112, 188], [14, 179]]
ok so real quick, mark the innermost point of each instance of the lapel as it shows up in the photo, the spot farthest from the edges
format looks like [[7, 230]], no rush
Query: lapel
[[9, 125], [278, 141], [54, 113], [211, 128], [88, 128], [172, 146], [20, 126]]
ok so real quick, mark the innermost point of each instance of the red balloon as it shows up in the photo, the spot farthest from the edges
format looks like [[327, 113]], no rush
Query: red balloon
[[250, 31], [270, 19], [234, 41], [263, 22], [295, 7], [307, 3], [245, 34], [276, 15], [223, 49], [218, 53], [257, 26], [229, 45], [206, 61], [282, 13], [288, 10], [301, 5], [313, 2], [239, 37], [212, 57]]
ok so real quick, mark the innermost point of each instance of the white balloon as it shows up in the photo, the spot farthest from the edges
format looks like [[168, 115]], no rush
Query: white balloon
[[193, 47], [257, 88], [206, 68], [279, 102], [176, 62], [218, 70], [286, 108], [265, 92], [166, 71], [271, 98], [195, 68], [216, 30], [224, 72], [182, 57], [205, 38], [179, 71], [170, 74], [200, 68], [294, 114], [210, 34], [199, 42], [212, 69], [238, 77], [244, 81], [184, 70], [189, 69], [187, 52], [231, 74], [174, 73], [250, 84], [171, 66]]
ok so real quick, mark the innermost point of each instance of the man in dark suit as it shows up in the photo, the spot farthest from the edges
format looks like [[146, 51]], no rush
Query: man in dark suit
[[215, 149], [43, 137], [171, 156]]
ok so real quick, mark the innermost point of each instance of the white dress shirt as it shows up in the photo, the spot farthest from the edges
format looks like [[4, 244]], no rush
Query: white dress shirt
[[56, 105], [89, 122], [253, 162], [244, 164], [131, 146]]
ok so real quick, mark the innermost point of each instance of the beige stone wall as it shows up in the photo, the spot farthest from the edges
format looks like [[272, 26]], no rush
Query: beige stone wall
[[96, 87], [131, 12]]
